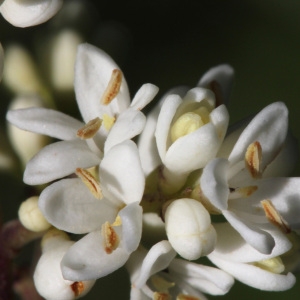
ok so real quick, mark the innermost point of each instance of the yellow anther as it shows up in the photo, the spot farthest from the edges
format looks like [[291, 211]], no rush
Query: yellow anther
[[189, 122], [118, 221], [273, 265], [110, 238], [90, 129], [161, 296], [113, 87], [274, 216], [186, 297], [89, 180], [108, 121], [160, 284], [77, 288], [253, 158], [243, 192]]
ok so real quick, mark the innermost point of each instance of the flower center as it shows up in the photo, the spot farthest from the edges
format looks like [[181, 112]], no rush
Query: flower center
[[189, 122]]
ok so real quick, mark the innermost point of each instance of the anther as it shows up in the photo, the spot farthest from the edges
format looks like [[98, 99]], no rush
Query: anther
[[113, 87], [161, 296], [253, 158], [110, 238], [186, 297], [77, 287], [90, 129], [274, 216], [89, 180]]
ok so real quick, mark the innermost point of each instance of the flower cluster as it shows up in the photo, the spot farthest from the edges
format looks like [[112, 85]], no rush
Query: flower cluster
[[125, 181]]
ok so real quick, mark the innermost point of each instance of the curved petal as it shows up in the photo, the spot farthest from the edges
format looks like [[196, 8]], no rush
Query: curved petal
[[214, 184], [69, 205], [58, 160], [157, 259], [121, 175], [129, 124], [22, 13], [261, 240], [269, 128], [87, 259], [223, 75], [220, 118], [164, 121], [255, 276], [194, 150], [231, 246], [93, 71], [45, 121], [144, 96]]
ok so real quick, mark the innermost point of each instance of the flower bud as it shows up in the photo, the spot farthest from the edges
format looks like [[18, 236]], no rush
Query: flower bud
[[189, 228], [31, 217], [48, 277]]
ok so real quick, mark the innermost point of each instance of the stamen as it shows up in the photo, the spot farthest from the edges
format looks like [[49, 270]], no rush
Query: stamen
[[110, 237], [161, 296], [113, 87], [108, 121], [186, 297], [161, 284], [274, 265], [253, 158], [89, 180], [274, 216], [90, 129], [77, 287], [243, 192]]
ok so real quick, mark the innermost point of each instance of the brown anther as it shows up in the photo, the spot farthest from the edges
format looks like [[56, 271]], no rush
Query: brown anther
[[253, 158], [161, 296], [89, 129], [274, 216], [110, 238], [186, 297], [77, 288], [89, 180], [113, 87], [243, 192]]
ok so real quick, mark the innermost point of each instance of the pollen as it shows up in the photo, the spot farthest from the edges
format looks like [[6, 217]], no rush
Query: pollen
[[108, 121], [110, 238], [89, 180], [113, 87], [274, 216], [90, 129], [253, 159], [77, 288]]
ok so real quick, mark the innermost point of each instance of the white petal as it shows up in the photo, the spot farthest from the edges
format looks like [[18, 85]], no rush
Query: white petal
[[70, 206], [269, 128], [143, 96], [129, 124], [164, 121], [206, 279], [45, 121], [223, 75], [231, 246], [157, 259], [131, 216], [87, 259], [194, 150], [219, 117], [121, 175], [261, 240], [214, 184], [22, 13], [93, 70], [254, 276], [58, 160]]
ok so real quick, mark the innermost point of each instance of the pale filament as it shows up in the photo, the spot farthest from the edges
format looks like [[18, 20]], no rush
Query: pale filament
[[113, 87], [89, 129]]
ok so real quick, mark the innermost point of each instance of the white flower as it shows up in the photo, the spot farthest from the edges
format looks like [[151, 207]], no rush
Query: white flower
[[236, 186], [48, 279], [266, 272], [157, 274], [189, 130], [24, 13], [109, 212], [102, 96], [189, 228]]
